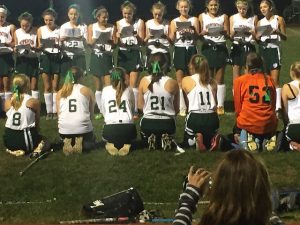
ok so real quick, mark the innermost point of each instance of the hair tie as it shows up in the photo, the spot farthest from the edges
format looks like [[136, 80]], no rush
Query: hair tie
[[16, 90], [94, 13], [69, 78], [267, 97], [116, 75], [155, 67]]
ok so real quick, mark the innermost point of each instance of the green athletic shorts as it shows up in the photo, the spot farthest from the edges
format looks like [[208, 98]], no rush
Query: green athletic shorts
[[6, 64], [271, 56], [293, 132], [130, 60], [67, 62], [100, 65], [182, 57], [216, 55], [50, 63], [239, 53], [28, 66], [157, 126]]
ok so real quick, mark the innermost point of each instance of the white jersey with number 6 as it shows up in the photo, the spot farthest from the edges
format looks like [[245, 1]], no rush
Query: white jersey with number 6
[[114, 114], [22, 118], [74, 114]]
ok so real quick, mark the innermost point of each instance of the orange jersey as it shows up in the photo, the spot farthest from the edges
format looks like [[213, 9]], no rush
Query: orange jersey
[[254, 103]]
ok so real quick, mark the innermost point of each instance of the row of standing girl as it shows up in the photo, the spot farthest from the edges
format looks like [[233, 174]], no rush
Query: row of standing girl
[[214, 28]]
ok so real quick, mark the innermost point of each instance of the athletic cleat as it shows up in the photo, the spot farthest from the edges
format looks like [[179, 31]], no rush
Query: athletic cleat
[[98, 116], [220, 110], [199, 143], [67, 148], [269, 145], [16, 152], [49, 116], [251, 144], [166, 142], [182, 112], [54, 116], [124, 150], [110, 147], [152, 142], [215, 142], [77, 148]]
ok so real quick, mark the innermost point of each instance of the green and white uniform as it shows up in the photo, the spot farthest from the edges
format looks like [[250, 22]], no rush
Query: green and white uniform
[[242, 45], [73, 47], [159, 112], [129, 55], [201, 117], [74, 115], [20, 129], [27, 59], [6, 58], [119, 126], [101, 57]]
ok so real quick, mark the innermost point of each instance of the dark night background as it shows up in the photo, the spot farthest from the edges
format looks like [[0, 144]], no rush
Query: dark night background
[[36, 7]]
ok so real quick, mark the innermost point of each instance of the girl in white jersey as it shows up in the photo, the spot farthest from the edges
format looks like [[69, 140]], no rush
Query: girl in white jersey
[[25, 47], [157, 30], [102, 39], [118, 109], [291, 105], [6, 56], [21, 134], [75, 110], [202, 122], [48, 42], [130, 34], [73, 36], [215, 31], [270, 31], [159, 101], [242, 34], [183, 32]]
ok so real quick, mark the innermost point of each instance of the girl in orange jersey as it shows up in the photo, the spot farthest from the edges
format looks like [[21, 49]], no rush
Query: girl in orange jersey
[[255, 101]]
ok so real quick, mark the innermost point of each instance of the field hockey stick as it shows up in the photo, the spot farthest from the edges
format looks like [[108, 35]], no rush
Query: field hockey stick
[[178, 148], [21, 173], [99, 220], [27, 202]]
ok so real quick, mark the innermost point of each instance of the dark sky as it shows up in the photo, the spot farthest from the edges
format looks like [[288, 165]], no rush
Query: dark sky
[[16, 7]]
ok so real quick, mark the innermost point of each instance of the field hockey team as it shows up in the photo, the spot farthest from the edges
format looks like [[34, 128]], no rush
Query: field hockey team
[[121, 95]]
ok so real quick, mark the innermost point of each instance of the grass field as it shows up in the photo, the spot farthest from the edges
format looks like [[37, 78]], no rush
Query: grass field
[[58, 186]]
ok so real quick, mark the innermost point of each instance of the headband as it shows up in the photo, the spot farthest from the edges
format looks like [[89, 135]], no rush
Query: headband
[[69, 78], [16, 90], [116, 75], [155, 67]]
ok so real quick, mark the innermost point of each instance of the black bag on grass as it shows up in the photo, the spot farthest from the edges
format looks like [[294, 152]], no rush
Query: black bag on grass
[[126, 203]]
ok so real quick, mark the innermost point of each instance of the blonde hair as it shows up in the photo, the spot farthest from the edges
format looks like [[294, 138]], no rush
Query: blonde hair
[[187, 1], [240, 193], [20, 87], [72, 77], [295, 69], [199, 64], [26, 16], [159, 5], [130, 5], [118, 82]]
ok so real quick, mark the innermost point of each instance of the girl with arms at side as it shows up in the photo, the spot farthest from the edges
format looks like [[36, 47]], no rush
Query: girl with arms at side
[[184, 32], [102, 39]]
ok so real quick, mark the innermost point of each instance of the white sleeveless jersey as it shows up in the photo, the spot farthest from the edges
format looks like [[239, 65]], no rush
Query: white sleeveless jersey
[[96, 33], [129, 40], [114, 114], [159, 102], [210, 22], [52, 35], [27, 39], [180, 40], [66, 30], [240, 22], [5, 37], [275, 43], [201, 98], [74, 114], [294, 105], [22, 118], [163, 28]]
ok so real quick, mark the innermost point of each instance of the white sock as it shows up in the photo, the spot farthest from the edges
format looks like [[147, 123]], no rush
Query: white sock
[[54, 110], [2, 96], [48, 102], [182, 105], [98, 96], [35, 94], [135, 92], [278, 98], [221, 92]]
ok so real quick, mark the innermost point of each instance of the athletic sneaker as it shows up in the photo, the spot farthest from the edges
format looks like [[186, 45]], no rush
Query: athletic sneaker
[[16, 152], [98, 116], [77, 148], [215, 142], [199, 143], [110, 147], [54, 116], [67, 148], [269, 145], [49, 116], [152, 142], [124, 150], [220, 110], [251, 144], [166, 142]]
